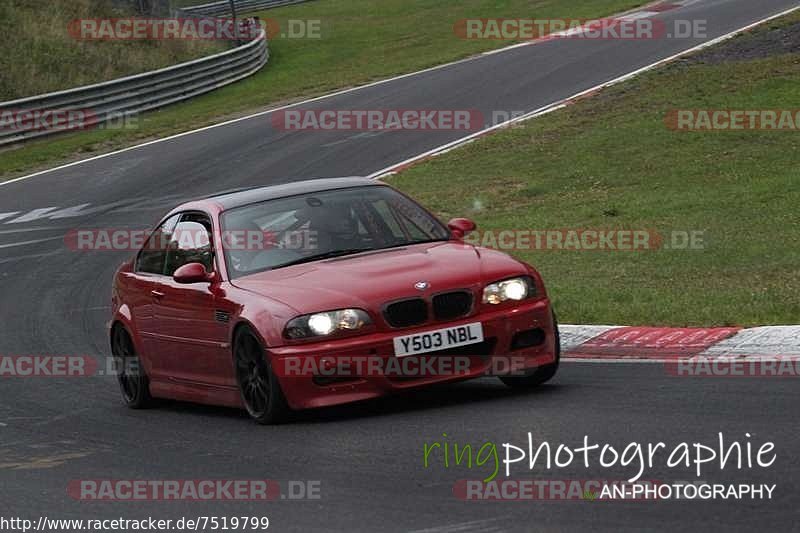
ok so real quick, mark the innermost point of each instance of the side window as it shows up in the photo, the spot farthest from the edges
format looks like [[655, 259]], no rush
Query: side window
[[153, 255], [190, 243]]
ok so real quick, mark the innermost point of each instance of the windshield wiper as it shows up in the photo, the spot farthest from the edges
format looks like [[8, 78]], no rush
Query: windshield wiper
[[412, 243], [325, 255], [351, 251], [424, 241]]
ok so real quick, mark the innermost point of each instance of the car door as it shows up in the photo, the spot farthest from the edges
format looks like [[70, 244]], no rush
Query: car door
[[192, 318], [143, 287]]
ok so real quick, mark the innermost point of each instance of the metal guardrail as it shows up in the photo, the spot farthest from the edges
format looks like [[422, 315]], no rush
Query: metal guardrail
[[142, 92], [223, 8]]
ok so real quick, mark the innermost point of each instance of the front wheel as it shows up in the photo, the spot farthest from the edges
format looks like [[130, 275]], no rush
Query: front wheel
[[542, 374], [133, 381], [261, 393]]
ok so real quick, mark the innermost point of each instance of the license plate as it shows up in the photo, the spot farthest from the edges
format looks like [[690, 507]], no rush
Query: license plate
[[440, 339]]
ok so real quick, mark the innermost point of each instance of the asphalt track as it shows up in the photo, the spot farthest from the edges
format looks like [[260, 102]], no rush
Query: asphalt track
[[368, 457]]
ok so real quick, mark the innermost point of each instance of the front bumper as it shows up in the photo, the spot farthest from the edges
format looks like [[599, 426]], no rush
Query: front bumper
[[516, 339]]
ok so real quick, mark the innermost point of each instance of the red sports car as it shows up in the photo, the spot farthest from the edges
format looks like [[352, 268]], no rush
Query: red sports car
[[317, 293]]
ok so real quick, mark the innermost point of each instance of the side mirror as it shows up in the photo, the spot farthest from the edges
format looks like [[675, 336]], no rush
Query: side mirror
[[192, 273], [460, 227]]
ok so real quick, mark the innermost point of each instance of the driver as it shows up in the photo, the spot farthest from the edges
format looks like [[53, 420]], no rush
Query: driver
[[244, 243], [334, 228]]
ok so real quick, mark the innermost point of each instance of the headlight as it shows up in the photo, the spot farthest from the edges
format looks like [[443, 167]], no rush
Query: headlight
[[322, 324], [510, 289]]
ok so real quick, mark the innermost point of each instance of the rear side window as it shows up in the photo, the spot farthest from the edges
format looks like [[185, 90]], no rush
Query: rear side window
[[152, 257]]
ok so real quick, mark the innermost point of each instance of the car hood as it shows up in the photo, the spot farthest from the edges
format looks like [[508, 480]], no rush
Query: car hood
[[369, 280]]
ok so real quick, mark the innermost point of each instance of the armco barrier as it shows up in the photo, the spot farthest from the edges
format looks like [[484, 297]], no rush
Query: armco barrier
[[141, 92], [223, 8]]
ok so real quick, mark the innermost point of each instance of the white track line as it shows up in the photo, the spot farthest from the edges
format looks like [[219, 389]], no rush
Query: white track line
[[694, 359], [640, 15], [615, 360], [402, 76], [563, 103], [26, 243], [268, 111]]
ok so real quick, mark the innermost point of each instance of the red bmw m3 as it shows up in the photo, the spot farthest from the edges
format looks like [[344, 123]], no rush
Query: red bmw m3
[[318, 293]]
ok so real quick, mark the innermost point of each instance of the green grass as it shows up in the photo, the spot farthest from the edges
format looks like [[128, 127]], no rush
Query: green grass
[[610, 162], [39, 55], [362, 41]]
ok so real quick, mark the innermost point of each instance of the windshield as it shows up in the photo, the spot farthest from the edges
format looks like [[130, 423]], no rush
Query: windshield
[[305, 228]]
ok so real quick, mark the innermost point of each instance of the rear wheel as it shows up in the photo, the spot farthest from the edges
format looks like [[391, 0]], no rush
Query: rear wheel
[[542, 374], [133, 381], [261, 394]]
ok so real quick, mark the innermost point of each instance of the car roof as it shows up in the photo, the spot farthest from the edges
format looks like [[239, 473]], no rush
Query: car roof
[[238, 198]]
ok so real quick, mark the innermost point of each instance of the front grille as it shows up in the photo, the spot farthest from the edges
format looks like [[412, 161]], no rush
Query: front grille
[[407, 313], [450, 305]]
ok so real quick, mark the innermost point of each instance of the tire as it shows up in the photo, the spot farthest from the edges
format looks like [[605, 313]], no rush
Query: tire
[[131, 376], [259, 388], [542, 374]]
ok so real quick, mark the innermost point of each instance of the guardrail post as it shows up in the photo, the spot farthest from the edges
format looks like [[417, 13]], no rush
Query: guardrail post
[[235, 24]]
